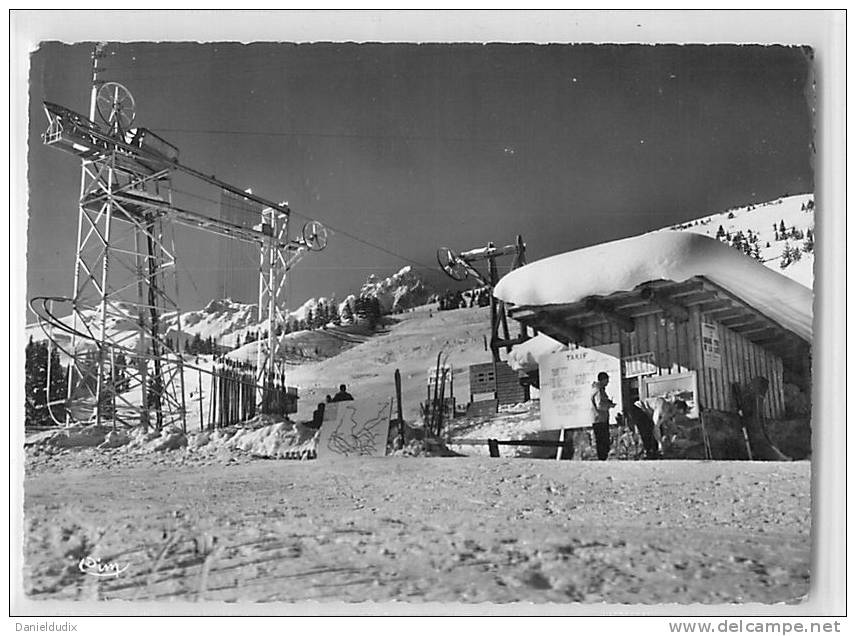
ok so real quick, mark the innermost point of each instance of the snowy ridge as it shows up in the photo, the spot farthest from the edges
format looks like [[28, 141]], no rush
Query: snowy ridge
[[222, 319], [403, 290]]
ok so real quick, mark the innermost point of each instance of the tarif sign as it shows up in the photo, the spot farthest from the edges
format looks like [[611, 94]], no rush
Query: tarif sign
[[566, 385]]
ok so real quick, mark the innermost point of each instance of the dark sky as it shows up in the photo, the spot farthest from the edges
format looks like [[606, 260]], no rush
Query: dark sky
[[413, 147]]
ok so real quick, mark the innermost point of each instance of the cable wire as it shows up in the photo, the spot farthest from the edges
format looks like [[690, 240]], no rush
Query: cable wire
[[338, 230]]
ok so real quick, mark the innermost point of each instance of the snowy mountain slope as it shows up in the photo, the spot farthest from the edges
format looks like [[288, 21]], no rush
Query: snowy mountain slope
[[410, 344], [226, 321], [764, 221], [222, 319]]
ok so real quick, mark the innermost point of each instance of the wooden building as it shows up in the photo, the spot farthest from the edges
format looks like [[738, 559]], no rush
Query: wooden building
[[675, 307], [662, 324]]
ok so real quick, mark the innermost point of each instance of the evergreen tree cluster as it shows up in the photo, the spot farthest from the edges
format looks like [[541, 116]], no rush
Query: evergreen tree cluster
[[792, 253], [35, 384], [325, 312], [367, 310], [808, 244], [459, 300], [199, 346], [745, 242], [451, 300], [783, 233], [789, 255]]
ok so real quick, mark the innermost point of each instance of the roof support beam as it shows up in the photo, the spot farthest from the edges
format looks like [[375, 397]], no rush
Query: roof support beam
[[758, 332], [606, 311], [734, 320], [563, 332], [714, 305], [697, 297], [673, 310]]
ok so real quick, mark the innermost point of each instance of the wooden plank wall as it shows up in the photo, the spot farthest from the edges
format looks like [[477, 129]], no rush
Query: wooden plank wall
[[677, 348], [499, 379], [742, 360], [669, 342], [508, 387]]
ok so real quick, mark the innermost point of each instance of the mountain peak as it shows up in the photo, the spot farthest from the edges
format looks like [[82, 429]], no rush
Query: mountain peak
[[402, 290]]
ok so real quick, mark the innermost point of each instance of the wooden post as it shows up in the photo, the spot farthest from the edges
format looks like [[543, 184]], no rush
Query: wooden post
[[201, 422], [705, 437], [398, 403], [441, 403], [433, 408], [211, 400], [735, 389], [566, 444], [493, 447], [493, 278]]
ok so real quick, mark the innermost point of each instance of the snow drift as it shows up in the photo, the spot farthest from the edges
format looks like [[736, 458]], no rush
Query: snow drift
[[525, 356], [624, 264]]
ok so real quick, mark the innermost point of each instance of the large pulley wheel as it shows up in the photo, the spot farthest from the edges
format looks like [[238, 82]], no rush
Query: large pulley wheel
[[115, 106], [315, 236], [452, 264]]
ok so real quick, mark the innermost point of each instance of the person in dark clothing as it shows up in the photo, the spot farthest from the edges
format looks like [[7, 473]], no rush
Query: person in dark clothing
[[318, 416], [643, 423], [600, 405], [750, 403], [342, 395]]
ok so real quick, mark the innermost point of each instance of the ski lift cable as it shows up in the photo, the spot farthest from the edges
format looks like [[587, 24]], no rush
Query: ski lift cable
[[337, 135], [330, 227]]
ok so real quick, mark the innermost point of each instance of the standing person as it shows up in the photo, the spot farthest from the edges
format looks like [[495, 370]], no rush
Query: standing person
[[342, 395], [600, 405]]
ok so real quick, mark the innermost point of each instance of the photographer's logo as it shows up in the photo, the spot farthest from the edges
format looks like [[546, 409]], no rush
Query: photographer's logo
[[95, 567]]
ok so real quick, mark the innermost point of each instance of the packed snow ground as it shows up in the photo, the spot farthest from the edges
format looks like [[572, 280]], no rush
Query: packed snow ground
[[416, 530]]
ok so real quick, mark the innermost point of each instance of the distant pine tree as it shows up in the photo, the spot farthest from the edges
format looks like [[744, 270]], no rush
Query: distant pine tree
[[347, 314], [808, 244], [36, 390]]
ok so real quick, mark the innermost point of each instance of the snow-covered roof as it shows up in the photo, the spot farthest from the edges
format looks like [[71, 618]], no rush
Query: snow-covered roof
[[623, 265]]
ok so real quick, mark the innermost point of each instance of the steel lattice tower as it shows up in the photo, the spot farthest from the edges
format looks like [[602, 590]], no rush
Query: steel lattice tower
[[126, 366]]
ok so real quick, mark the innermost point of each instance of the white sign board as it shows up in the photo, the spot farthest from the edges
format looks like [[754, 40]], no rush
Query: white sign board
[[711, 346], [355, 428], [566, 385]]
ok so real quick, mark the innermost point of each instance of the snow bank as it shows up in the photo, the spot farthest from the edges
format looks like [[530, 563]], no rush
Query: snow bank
[[525, 356], [280, 440], [622, 265]]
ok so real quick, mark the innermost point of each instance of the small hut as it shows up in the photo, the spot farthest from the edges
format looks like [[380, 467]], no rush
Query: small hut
[[676, 313]]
